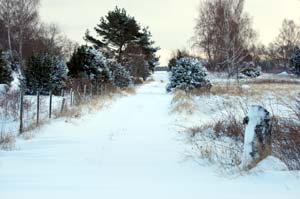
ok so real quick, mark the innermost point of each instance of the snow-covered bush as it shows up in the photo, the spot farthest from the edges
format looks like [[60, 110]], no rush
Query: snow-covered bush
[[188, 74], [120, 76], [250, 70], [89, 63]]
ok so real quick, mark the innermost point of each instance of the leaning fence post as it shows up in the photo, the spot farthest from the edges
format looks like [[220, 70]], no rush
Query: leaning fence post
[[38, 109], [21, 111], [50, 105]]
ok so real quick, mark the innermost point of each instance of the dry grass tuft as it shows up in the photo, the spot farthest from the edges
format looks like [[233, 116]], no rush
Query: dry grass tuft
[[7, 141], [182, 102]]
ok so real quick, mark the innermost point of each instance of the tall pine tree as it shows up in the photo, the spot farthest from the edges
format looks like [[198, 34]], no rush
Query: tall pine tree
[[116, 29], [123, 36]]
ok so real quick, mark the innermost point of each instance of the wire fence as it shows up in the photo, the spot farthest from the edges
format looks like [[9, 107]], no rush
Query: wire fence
[[20, 112]]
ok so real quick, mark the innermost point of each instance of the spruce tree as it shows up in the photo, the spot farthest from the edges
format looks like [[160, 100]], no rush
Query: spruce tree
[[45, 73], [5, 71], [295, 61], [188, 74]]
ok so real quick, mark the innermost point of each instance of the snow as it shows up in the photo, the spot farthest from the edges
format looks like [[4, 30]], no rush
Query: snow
[[270, 164], [3, 88], [15, 84], [131, 149], [284, 73]]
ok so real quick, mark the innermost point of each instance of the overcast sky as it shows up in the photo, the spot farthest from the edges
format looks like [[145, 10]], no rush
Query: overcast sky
[[170, 21]]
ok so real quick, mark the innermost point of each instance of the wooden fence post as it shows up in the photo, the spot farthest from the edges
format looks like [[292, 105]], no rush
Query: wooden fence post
[[50, 105], [84, 92], [63, 105], [91, 90], [38, 109], [21, 111], [71, 96]]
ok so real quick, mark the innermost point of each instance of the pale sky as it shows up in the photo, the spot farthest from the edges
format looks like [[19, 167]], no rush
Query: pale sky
[[170, 21]]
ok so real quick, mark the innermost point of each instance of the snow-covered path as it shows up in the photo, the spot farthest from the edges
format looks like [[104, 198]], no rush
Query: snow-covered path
[[131, 150]]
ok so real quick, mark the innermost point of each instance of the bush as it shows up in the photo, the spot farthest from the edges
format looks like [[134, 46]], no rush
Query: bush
[[121, 76], [250, 70], [188, 74], [89, 63]]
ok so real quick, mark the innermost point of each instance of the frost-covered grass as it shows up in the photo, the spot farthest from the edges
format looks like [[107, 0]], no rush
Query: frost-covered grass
[[217, 117]]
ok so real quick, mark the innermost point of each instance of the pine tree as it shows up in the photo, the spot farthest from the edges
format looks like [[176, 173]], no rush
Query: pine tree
[[295, 61], [5, 70], [149, 50], [45, 73], [188, 74], [124, 39], [117, 29]]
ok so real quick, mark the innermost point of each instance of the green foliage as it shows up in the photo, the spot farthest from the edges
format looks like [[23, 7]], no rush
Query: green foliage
[[5, 71]]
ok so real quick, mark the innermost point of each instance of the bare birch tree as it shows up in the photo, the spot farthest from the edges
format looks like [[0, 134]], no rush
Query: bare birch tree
[[223, 33], [7, 13]]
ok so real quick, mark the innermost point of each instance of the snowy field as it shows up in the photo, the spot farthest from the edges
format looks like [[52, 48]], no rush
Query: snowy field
[[132, 149]]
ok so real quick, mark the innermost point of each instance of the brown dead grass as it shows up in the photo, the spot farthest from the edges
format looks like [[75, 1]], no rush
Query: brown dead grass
[[7, 141], [256, 90], [182, 102]]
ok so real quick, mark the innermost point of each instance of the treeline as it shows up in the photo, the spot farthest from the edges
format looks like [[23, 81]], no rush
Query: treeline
[[43, 59], [226, 39]]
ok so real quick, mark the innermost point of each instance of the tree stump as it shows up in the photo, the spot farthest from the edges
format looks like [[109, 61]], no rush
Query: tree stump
[[257, 141]]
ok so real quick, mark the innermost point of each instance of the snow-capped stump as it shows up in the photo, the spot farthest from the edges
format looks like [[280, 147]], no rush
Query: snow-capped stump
[[188, 74], [257, 141]]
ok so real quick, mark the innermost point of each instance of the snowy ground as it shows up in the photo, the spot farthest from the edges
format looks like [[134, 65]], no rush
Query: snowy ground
[[129, 150]]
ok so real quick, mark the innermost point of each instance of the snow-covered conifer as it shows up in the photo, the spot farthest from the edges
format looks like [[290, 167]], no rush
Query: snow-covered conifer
[[89, 63], [188, 74], [295, 61], [45, 73], [121, 76], [5, 70]]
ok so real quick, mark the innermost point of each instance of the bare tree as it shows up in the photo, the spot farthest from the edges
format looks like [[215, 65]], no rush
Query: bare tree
[[26, 15], [286, 41], [7, 16], [223, 33]]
